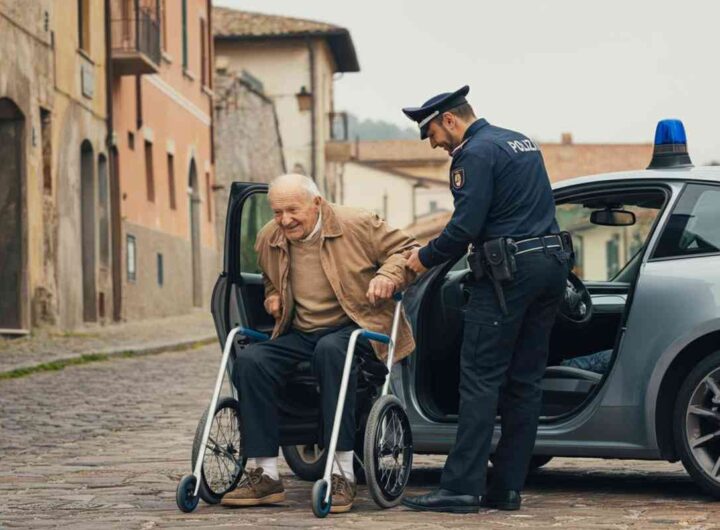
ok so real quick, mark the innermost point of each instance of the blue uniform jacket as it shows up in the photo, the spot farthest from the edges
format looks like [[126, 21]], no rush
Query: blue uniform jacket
[[500, 189]]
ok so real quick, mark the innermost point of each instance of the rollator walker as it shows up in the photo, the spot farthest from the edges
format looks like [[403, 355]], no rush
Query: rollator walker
[[383, 450]]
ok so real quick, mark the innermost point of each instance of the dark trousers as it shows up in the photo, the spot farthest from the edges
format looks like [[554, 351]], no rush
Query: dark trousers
[[262, 369], [502, 362]]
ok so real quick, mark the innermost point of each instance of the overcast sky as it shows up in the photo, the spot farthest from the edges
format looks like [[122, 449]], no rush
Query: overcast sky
[[604, 71]]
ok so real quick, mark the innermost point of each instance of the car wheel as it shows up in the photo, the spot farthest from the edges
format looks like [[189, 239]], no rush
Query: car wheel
[[696, 424], [538, 461], [306, 461]]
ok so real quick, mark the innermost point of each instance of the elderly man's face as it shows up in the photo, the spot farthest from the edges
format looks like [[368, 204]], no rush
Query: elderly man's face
[[296, 213]]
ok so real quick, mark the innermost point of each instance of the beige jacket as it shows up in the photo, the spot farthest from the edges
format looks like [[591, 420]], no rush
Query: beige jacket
[[356, 245]]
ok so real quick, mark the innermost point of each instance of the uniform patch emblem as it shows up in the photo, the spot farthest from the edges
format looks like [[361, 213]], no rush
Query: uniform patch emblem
[[457, 178]]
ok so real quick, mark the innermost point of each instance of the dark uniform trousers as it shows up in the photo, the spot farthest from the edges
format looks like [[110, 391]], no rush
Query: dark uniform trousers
[[262, 369], [502, 362]]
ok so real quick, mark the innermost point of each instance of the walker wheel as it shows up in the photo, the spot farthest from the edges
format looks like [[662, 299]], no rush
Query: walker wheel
[[185, 496], [319, 507]]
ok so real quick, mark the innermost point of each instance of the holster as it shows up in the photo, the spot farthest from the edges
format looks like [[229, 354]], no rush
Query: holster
[[475, 261], [566, 238], [497, 262]]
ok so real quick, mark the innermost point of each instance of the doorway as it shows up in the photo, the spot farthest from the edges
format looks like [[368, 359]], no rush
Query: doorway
[[87, 223], [194, 216], [12, 270]]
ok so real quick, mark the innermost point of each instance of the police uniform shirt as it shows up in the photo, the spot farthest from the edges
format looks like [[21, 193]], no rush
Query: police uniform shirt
[[500, 189]]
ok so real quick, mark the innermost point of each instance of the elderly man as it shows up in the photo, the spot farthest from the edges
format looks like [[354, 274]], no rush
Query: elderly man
[[328, 270]]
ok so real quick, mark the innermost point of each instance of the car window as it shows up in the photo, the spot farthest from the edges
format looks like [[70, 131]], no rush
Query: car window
[[694, 226], [602, 251], [256, 213]]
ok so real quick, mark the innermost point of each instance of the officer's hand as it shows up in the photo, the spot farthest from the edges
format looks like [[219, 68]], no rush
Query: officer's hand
[[273, 305], [380, 288], [413, 260]]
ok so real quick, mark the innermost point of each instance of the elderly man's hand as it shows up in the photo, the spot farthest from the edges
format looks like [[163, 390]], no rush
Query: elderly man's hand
[[413, 260], [273, 305], [380, 288]]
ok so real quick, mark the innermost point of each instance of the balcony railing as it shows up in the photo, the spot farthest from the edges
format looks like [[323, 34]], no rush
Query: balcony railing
[[136, 44]]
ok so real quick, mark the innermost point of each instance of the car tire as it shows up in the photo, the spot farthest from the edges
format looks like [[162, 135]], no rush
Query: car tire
[[306, 461], [696, 419], [538, 461]]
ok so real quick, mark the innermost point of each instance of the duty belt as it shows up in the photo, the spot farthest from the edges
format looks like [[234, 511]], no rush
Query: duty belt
[[538, 243]]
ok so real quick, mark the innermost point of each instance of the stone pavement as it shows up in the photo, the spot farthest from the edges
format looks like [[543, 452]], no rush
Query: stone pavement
[[135, 337], [103, 445]]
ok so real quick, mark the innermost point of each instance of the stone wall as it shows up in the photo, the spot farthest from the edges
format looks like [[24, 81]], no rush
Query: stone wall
[[248, 146], [144, 296]]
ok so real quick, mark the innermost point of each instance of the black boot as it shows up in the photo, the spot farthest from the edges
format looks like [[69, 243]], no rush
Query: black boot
[[501, 499], [441, 500]]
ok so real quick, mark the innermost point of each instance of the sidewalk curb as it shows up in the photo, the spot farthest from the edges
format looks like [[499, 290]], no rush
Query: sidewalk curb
[[104, 355]]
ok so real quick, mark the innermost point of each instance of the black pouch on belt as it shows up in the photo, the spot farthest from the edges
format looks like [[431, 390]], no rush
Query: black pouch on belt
[[500, 257]]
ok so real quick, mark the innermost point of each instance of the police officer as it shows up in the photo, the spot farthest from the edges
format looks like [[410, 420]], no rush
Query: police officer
[[504, 208]]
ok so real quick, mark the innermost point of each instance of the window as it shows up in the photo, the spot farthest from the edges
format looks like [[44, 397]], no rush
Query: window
[[171, 180], [694, 226], [184, 35], [149, 175], [131, 258], [84, 25], [256, 213], [203, 53], [46, 139], [601, 252], [160, 270], [208, 192], [164, 23]]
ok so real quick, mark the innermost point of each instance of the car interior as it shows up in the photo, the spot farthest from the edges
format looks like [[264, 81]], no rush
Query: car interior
[[566, 388]]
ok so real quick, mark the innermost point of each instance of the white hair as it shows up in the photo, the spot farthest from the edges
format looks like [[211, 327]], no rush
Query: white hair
[[295, 179]]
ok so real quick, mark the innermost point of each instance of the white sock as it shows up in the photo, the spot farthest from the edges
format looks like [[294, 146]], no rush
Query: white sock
[[345, 458], [269, 465]]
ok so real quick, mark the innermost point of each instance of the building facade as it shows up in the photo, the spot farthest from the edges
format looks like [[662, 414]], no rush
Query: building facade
[[248, 146], [293, 62], [162, 130], [55, 261]]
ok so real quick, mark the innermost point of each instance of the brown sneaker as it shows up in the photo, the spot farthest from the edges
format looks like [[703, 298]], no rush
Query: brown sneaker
[[343, 494], [255, 489]]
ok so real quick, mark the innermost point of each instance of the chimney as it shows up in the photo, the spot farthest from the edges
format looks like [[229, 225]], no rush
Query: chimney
[[566, 138]]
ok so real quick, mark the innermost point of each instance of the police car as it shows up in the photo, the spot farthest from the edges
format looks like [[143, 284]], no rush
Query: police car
[[634, 368]]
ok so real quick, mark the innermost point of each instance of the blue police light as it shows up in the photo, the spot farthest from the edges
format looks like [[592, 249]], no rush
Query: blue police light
[[670, 149]]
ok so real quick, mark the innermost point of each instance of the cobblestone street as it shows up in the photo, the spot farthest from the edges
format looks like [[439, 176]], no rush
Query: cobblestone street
[[103, 445]]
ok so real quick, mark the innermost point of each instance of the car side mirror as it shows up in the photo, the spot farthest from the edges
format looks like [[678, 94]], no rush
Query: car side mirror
[[610, 217]]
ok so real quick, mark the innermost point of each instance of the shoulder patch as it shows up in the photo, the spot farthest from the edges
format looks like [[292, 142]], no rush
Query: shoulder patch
[[457, 178]]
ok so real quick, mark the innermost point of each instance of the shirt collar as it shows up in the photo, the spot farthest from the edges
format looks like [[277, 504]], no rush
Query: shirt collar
[[475, 127], [316, 229]]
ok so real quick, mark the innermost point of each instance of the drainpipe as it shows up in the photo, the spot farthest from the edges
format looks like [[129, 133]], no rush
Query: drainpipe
[[313, 111], [116, 231]]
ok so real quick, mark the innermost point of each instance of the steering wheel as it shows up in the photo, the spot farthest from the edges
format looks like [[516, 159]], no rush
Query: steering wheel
[[576, 308]]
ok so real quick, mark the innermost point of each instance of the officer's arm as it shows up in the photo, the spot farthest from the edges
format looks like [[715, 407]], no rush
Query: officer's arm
[[472, 203]]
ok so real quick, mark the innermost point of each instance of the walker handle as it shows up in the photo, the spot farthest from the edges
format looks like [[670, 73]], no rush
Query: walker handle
[[254, 335], [379, 337]]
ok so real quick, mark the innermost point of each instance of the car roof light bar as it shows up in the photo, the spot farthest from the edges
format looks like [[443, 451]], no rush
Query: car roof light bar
[[670, 150]]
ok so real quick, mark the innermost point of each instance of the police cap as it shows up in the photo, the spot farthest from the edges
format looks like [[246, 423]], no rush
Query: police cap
[[434, 107]]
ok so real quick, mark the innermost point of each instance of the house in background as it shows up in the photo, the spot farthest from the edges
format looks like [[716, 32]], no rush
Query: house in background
[[248, 147], [162, 126], [55, 259], [293, 62]]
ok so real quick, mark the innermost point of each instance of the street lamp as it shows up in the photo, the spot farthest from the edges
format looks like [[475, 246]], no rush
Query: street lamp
[[304, 99]]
